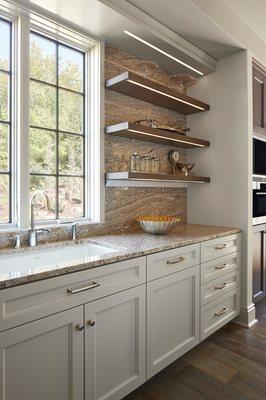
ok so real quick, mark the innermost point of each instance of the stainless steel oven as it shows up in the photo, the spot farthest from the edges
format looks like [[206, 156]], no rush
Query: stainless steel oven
[[259, 200]]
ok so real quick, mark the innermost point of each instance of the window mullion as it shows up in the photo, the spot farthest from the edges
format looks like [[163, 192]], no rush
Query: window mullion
[[22, 110]]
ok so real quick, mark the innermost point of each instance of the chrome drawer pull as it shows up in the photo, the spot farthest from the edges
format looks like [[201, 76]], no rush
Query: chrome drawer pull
[[178, 260], [222, 266], [221, 246], [223, 311], [222, 286], [73, 291]]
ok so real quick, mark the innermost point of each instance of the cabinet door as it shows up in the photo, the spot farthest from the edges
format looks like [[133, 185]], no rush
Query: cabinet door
[[259, 100], [172, 318], [259, 262], [44, 359], [115, 353]]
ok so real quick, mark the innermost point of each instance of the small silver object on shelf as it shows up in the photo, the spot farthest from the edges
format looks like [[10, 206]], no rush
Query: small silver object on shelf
[[185, 167]]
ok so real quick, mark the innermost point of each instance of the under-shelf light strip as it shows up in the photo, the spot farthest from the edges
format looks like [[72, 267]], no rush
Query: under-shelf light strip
[[163, 52], [164, 94], [163, 137]]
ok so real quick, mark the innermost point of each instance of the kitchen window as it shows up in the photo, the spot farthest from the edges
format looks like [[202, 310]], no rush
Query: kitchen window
[[55, 144], [57, 127], [5, 120]]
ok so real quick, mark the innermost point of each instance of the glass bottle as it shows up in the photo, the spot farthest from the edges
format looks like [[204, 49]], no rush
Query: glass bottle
[[134, 162], [146, 163], [153, 164], [157, 164]]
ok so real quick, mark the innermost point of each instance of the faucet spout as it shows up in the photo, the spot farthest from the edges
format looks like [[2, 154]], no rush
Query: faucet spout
[[32, 204], [33, 233]]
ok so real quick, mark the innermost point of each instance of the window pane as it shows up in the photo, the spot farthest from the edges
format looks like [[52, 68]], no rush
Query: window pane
[[4, 199], [42, 59], [42, 151], [4, 97], [70, 154], [42, 105], [4, 147], [48, 184], [70, 69], [4, 45], [71, 198], [70, 112]]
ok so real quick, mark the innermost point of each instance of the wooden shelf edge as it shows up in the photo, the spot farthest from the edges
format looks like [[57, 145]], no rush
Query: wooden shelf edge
[[146, 133], [113, 179], [134, 85]]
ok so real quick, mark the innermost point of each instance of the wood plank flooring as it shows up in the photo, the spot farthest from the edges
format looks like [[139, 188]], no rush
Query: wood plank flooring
[[230, 364]]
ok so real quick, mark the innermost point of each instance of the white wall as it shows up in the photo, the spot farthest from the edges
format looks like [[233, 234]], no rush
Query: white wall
[[227, 200], [219, 13]]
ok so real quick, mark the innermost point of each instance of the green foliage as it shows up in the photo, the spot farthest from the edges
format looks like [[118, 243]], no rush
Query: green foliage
[[43, 114]]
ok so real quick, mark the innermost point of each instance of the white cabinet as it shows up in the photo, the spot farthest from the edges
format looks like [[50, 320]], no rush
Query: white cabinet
[[44, 359], [115, 350], [171, 261], [219, 247], [25, 303], [172, 318], [114, 326], [217, 313]]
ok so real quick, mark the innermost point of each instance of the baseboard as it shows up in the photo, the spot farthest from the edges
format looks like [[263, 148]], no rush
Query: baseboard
[[247, 316]]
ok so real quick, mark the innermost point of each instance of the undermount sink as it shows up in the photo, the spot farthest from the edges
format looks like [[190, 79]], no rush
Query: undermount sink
[[45, 259]]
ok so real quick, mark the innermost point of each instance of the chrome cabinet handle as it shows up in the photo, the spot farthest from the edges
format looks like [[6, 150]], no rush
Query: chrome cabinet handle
[[80, 327], [222, 286], [83, 289], [91, 322], [178, 260], [223, 311], [221, 246], [222, 266]]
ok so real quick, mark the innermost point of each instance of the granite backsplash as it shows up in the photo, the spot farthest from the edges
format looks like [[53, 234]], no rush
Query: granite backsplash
[[122, 205]]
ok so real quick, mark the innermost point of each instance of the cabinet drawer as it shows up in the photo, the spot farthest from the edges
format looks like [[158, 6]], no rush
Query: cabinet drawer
[[171, 261], [219, 267], [219, 247], [216, 314], [215, 289], [26, 303]]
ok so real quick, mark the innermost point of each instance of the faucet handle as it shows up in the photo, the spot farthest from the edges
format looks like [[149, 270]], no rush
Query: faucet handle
[[42, 231], [73, 226], [17, 241], [74, 230]]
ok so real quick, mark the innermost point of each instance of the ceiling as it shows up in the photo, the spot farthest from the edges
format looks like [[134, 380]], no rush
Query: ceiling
[[252, 13], [187, 29], [186, 19], [105, 21]]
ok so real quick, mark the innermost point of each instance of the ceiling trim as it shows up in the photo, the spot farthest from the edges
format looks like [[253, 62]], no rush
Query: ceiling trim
[[156, 28]]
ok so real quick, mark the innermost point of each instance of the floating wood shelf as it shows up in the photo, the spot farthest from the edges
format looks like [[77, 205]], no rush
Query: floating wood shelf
[[145, 179], [134, 85], [146, 133]]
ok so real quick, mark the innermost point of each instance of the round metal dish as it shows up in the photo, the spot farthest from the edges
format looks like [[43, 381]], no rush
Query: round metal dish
[[157, 225]]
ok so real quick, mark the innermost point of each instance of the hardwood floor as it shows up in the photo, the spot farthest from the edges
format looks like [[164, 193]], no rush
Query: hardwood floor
[[230, 364]]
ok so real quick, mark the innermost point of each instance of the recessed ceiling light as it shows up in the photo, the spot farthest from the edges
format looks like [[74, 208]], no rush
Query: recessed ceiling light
[[162, 52], [164, 94]]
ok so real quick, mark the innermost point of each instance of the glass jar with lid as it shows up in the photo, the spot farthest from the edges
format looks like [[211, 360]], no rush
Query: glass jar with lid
[[157, 164], [145, 163], [134, 164]]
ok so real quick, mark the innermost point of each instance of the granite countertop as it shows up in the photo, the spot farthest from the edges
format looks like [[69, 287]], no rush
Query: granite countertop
[[25, 265]]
